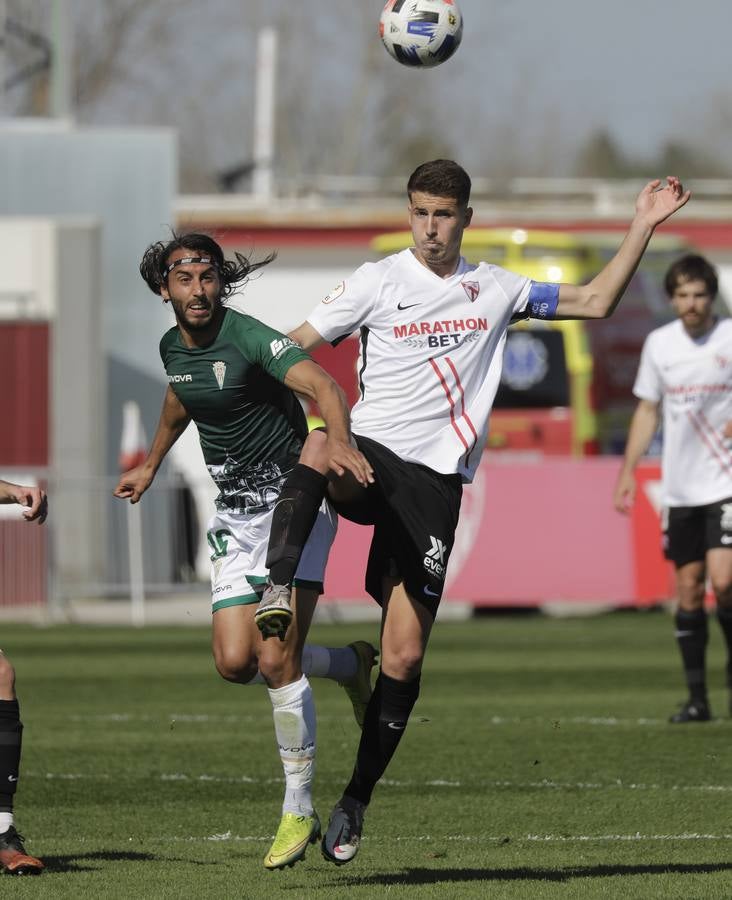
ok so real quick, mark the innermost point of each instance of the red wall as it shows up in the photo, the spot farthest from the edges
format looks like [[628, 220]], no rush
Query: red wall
[[24, 363]]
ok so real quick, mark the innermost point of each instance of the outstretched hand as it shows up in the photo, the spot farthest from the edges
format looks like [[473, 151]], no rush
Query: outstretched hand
[[342, 456], [656, 203], [133, 484], [33, 499]]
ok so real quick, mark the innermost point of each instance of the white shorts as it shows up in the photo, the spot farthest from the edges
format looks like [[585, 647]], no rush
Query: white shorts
[[238, 542]]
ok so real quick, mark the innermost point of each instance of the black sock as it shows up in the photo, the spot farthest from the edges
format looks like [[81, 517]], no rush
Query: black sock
[[11, 733], [691, 635], [292, 521], [724, 617], [386, 718]]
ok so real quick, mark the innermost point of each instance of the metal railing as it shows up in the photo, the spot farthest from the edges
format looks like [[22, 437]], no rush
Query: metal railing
[[96, 547], [301, 196]]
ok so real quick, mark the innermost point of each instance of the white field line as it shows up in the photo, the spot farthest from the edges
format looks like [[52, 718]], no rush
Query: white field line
[[603, 721], [542, 784], [636, 837], [206, 719]]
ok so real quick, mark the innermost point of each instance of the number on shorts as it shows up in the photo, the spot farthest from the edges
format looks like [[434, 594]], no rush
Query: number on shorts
[[218, 541]]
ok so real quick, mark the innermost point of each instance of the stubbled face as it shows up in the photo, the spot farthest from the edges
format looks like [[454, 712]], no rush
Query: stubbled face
[[437, 225], [194, 290], [692, 303]]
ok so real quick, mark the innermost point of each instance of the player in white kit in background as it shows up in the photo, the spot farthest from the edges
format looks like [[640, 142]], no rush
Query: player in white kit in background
[[432, 331], [686, 367]]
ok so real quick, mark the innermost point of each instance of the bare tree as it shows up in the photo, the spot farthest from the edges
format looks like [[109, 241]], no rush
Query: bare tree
[[344, 106]]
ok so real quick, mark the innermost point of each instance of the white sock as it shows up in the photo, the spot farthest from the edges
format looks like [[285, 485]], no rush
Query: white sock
[[337, 663], [294, 720], [6, 821]]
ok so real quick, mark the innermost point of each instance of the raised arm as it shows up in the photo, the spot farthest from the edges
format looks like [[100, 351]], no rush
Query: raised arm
[[173, 422], [598, 298], [307, 378], [643, 426]]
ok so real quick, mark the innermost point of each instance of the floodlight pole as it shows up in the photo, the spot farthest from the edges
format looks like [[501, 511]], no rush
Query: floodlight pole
[[61, 60], [3, 41], [264, 113]]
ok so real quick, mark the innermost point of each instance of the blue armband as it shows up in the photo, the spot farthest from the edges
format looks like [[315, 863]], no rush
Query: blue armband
[[543, 299]]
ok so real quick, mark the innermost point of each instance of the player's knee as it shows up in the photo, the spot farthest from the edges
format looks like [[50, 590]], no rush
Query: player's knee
[[7, 678], [314, 451], [691, 592], [722, 588], [404, 663], [235, 666], [278, 666]]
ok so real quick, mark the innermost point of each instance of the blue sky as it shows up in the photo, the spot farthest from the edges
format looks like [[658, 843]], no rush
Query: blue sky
[[647, 70], [528, 85]]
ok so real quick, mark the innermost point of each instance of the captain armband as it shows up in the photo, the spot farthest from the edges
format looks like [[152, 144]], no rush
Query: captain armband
[[543, 300]]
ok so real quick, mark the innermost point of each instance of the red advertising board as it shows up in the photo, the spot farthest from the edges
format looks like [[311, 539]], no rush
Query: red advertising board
[[536, 532]]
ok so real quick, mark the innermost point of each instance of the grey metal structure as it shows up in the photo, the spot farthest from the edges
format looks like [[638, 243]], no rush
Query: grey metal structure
[[125, 180]]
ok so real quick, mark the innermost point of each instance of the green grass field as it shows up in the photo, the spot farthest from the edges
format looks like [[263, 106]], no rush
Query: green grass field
[[538, 763]]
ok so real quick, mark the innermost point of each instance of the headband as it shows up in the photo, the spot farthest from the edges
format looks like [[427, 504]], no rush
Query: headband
[[187, 259]]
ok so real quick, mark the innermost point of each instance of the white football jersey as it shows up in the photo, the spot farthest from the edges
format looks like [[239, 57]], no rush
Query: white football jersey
[[693, 379], [430, 354]]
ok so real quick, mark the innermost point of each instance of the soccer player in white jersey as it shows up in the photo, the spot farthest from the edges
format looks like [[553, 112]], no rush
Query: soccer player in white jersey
[[686, 367], [432, 330], [14, 860]]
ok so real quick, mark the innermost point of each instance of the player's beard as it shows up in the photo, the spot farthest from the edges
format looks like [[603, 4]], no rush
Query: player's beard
[[697, 323], [197, 322]]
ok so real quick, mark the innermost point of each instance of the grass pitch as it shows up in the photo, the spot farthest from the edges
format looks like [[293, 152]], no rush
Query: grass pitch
[[538, 764]]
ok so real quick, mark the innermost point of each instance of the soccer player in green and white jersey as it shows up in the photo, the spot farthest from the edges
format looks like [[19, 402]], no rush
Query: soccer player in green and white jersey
[[234, 377]]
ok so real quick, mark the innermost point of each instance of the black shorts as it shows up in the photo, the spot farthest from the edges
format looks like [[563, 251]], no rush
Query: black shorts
[[690, 531], [414, 511]]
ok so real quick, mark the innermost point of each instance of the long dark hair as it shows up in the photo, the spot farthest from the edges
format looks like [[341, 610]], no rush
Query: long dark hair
[[233, 272]]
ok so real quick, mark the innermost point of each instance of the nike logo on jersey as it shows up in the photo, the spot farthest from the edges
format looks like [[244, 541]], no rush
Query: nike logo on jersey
[[406, 306], [430, 593], [397, 726]]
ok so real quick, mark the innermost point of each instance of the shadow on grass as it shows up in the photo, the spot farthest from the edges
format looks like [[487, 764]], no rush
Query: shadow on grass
[[76, 862], [436, 876]]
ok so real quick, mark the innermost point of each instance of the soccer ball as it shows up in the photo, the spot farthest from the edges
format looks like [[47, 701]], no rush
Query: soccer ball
[[421, 33]]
